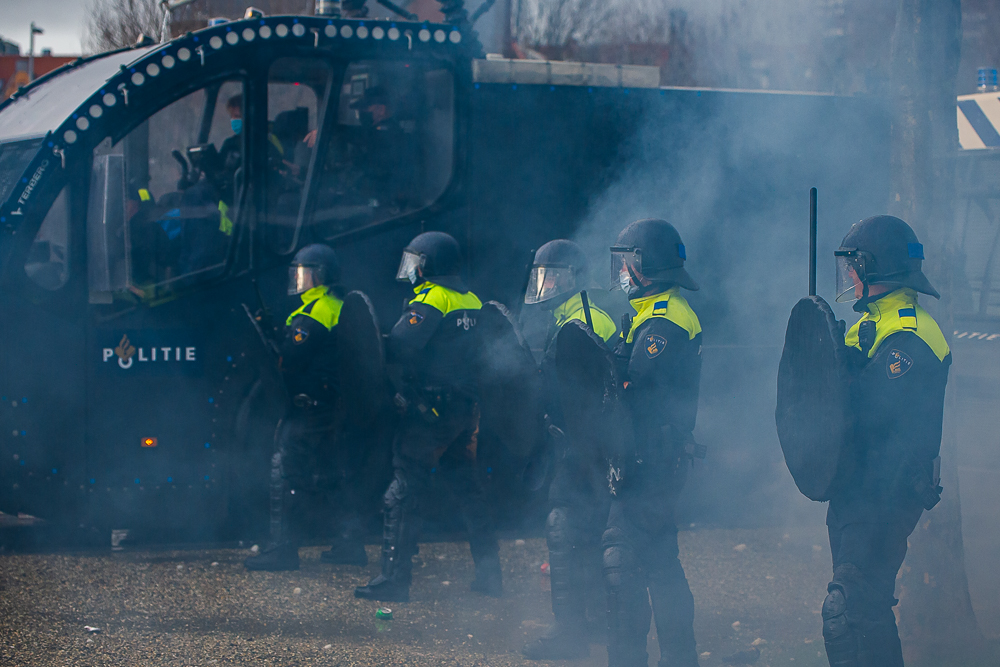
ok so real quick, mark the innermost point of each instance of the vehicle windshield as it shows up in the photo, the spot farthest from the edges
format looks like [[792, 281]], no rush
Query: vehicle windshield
[[389, 148], [14, 158]]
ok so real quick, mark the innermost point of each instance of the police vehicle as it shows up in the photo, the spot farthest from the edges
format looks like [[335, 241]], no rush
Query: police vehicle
[[148, 194]]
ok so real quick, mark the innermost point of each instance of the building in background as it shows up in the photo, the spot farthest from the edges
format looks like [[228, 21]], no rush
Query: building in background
[[14, 66]]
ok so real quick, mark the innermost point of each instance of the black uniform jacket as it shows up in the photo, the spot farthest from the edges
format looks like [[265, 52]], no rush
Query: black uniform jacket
[[898, 402], [663, 374], [436, 342]]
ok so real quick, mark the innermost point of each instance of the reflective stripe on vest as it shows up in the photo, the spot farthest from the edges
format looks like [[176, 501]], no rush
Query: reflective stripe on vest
[[604, 326], [444, 299], [669, 305], [899, 311], [318, 304]]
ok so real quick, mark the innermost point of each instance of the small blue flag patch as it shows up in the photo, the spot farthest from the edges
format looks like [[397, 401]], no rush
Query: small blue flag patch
[[915, 250]]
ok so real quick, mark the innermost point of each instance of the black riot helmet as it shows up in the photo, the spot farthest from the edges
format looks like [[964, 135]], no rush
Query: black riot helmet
[[882, 250], [649, 255], [560, 269], [436, 254], [312, 266]]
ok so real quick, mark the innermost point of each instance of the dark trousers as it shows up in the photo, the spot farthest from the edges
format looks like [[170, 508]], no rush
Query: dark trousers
[[580, 504], [866, 559], [641, 563], [426, 454], [314, 470]]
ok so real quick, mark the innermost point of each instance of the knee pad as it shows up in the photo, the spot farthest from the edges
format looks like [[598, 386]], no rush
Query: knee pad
[[557, 530], [395, 494], [276, 470], [835, 614], [618, 557]]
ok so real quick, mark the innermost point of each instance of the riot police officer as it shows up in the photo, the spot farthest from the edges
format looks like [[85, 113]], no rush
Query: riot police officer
[[433, 357], [306, 434], [659, 358], [900, 363], [578, 494]]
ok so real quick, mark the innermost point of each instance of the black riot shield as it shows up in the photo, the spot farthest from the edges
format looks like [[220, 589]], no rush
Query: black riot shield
[[364, 390], [813, 415], [512, 409], [588, 392]]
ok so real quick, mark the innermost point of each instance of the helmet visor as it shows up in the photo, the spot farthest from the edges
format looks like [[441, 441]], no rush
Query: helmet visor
[[626, 267], [302, 278], [408, 266], [851, 275], [548, 282]]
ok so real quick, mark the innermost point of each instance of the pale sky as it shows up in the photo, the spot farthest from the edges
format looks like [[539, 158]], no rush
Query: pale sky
[[62, 20]]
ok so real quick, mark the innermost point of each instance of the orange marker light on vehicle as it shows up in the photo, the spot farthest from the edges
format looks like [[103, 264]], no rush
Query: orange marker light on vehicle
[[149, 442]]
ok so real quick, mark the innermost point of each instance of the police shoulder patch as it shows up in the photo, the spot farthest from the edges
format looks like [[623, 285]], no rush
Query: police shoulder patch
[[414, 318], [654, 345], [897, 363], [299, 335]]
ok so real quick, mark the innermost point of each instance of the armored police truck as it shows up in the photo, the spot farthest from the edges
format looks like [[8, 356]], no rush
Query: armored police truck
[[151, 196]]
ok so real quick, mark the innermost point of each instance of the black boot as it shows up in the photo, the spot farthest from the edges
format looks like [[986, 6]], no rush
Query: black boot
[[489, 579], [385, 589], [399, 544], [345, 553], [567, 639], [275, 558], [558, 643]]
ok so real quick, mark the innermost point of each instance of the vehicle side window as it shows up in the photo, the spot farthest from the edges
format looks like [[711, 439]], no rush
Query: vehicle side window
[[165, 200], [390, 149], [295, 89], [48, 258]]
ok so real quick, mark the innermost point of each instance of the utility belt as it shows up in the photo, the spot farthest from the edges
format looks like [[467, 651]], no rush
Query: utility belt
[[309, 404], [430, 402], [667, 453]]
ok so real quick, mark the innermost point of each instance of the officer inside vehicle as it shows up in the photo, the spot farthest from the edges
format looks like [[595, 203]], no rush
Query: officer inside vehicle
[[900, 360], [433, 353], [659, 359], [579, 490], [307, 434], [386, 152]]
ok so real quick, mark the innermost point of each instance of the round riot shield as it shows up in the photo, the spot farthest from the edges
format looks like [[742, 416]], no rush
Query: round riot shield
[[813, 414], [364, 392], [511, 405], [588, 392]]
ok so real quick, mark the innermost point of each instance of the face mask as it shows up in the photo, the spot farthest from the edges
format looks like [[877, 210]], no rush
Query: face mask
[[236, 124], [625, 281]]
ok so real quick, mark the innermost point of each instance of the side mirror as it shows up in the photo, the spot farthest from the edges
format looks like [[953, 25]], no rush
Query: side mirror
[[107, 257]]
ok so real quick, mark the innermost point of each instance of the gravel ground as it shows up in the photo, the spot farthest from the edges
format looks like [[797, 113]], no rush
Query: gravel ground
[[185, 608]]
